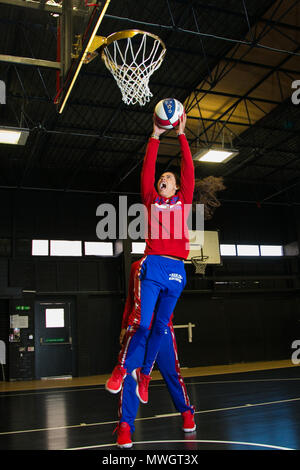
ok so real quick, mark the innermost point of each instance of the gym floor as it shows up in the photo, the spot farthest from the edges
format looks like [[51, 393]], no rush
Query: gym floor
[[242, 407]]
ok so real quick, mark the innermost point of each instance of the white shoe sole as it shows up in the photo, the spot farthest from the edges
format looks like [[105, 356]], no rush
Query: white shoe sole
[[124, 446], [133, 373], [189, 429]]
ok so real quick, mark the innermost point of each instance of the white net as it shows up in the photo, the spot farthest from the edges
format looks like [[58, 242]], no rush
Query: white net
[[132, 61], [200, 264]]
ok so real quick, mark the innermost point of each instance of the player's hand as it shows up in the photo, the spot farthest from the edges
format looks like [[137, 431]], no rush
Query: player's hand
[[156, 129], [181, 126], [122, 334]]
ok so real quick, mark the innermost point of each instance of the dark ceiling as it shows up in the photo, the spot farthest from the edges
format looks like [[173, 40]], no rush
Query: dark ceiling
[[232, 62]]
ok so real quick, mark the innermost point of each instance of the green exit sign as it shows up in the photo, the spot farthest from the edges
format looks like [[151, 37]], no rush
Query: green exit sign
[[22, 307]]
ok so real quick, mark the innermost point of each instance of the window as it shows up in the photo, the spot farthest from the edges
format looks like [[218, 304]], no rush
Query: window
[[54, 317], [251, 250], [40, 248], [98, 248], [228, 250], [65, 248], [271, 250], [248, 250], [138, 248], [70, 248]]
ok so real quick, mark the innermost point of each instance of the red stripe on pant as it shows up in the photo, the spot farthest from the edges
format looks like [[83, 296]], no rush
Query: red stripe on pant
[[135, 317], [177, 367]]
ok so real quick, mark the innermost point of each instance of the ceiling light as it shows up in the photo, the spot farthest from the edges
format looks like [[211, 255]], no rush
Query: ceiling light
[[215, 155], [54, 3], [13, 135]]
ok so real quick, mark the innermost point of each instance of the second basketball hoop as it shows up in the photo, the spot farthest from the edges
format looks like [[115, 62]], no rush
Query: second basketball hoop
[[200, 264], [132, 56]]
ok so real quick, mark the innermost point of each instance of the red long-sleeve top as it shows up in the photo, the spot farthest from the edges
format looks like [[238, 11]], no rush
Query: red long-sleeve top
[[167, 232]]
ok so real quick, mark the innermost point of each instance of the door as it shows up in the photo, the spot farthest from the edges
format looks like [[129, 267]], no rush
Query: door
[[53, 339]]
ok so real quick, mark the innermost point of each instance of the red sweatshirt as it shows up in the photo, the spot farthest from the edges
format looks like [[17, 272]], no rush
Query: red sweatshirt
[[167, 218]]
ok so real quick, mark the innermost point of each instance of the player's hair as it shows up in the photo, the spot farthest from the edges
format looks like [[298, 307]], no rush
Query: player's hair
[[177, 179], [205, 193]]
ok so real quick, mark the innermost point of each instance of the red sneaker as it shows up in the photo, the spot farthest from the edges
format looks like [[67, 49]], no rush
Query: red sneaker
[[124, 435], [188, 422], [142, 384], [114, 383]]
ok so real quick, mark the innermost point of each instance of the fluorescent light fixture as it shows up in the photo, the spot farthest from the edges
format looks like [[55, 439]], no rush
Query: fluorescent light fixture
[[54, 3], [13, 135], [215, 155]]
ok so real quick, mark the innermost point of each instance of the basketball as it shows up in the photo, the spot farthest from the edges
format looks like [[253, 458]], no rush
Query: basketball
[[168, 112]]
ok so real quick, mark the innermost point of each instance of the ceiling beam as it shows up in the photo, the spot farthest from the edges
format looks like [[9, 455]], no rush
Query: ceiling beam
[[30, 61], [32, 5], [240, 14], [179, 30]]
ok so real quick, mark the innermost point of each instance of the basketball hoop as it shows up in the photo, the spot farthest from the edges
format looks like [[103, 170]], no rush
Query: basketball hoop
[[132, 56], [199, 263]]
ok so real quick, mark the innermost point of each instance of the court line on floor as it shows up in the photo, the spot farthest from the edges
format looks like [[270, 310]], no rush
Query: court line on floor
[[167, 415], [232, 381], [248, 405], [162, 383], [185, 441]]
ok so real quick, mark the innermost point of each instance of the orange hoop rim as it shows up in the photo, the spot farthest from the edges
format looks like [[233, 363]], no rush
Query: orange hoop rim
[[130, 33]]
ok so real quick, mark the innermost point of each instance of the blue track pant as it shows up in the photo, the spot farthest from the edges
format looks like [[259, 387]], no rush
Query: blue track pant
[[169, 367], [161, 283]]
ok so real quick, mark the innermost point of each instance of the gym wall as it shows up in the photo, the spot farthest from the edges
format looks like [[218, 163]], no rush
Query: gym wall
[[241, 322]]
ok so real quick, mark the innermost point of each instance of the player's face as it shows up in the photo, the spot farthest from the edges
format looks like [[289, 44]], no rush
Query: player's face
[[166, 186]]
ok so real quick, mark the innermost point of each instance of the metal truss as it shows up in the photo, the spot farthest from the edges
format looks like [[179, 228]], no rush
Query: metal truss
[[216, 69], [199, 91]]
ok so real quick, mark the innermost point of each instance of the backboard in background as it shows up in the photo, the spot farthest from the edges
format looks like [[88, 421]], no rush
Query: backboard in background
[[78, 25], [204, 243]]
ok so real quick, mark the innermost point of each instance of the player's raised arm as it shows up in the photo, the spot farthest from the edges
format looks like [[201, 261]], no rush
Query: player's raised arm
[[187, 176], [148, 170]]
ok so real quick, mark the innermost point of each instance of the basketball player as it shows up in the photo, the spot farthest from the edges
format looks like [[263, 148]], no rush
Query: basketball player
[[167, 362], [161, 272]]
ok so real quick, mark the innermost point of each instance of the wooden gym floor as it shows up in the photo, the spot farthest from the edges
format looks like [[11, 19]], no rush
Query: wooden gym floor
[[239, 407]]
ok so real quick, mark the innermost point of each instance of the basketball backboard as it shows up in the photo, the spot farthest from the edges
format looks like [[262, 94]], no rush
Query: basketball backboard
[[76, 36], [204, 243]]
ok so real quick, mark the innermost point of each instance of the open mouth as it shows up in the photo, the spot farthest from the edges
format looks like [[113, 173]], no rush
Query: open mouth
[[162, 185]]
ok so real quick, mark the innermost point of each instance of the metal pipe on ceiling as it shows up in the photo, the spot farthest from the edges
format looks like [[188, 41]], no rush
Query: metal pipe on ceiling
[[33, 5], [30, 61]]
